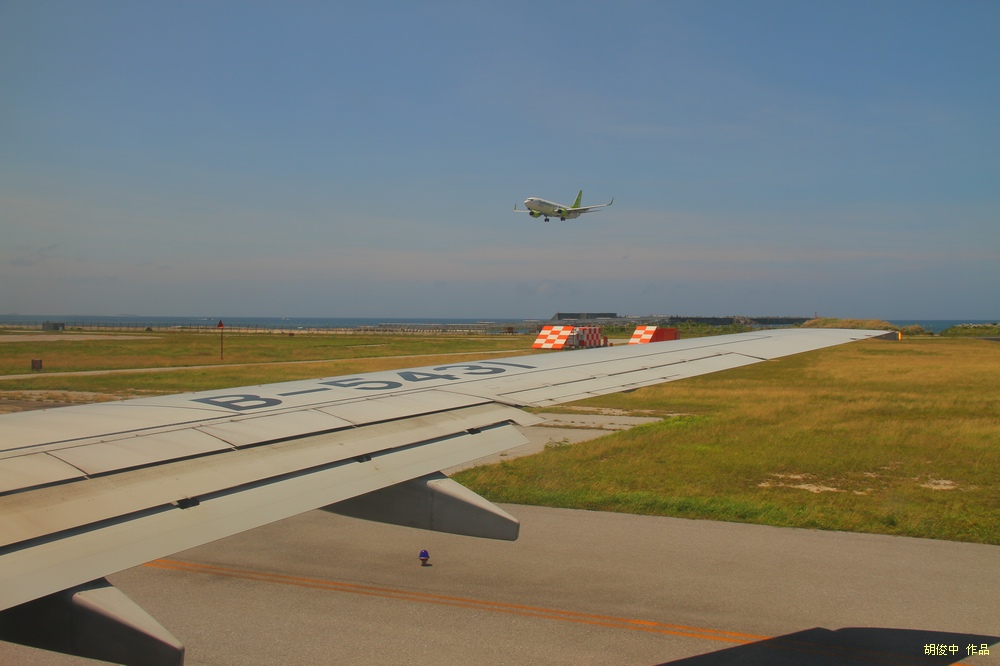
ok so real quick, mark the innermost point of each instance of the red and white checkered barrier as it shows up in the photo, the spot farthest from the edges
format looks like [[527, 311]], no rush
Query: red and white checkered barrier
[[646, 334], [568, 337], [588, 336], [552, 337]]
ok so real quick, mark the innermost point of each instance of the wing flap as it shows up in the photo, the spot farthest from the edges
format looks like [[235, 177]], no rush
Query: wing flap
[[104, 457], [255, 430], [25, 516], [39, 464], [82, 422], [400, 406], [34, 469], [59, 559]]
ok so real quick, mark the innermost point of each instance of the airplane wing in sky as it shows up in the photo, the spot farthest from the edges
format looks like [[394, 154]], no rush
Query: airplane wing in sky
[[587, 209], [87, 491]]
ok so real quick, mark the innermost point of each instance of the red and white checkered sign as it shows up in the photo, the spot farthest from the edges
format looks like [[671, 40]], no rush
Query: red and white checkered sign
[[646, 334], [552, 337], [642, 335]]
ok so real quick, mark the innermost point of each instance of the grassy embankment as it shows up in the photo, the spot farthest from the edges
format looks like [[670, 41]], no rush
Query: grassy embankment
[[884, 437], [973, 331]]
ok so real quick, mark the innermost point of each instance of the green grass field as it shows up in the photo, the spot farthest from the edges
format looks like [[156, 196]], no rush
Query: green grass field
[[249, 359], [885, 437], [154, 350]]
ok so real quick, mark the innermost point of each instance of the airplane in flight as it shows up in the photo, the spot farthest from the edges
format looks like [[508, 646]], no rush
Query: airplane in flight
[[542, 208], [87, 491]]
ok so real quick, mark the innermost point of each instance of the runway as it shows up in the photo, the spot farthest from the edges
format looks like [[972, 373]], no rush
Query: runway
[[578, 587]]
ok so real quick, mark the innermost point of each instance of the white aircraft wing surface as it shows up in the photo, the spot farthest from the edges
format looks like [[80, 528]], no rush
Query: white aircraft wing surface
[[90, 490], [587, 209]]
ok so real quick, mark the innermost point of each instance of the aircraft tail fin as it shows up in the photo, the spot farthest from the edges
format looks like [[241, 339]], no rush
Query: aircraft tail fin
[[579, 198]]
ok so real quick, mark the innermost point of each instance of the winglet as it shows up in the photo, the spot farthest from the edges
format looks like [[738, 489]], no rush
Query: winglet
[[612, 201], [579, 197]]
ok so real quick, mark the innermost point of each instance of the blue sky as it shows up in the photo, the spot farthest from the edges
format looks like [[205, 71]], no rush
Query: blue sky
[[358, 159]]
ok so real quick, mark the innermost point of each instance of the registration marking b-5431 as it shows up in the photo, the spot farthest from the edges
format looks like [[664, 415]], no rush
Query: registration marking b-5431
[[241, 402]]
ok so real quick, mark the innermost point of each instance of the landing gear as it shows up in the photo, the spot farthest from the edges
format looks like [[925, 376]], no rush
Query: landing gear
[[546, 219]]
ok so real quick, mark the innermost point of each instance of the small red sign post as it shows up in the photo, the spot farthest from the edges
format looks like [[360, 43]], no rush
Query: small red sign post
[[222, 348]]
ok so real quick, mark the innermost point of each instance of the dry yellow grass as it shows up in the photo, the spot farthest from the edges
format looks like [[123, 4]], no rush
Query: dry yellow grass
[[892, 437]]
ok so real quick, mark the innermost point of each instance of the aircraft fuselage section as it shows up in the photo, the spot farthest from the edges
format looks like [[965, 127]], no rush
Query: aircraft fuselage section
[[542, 208]]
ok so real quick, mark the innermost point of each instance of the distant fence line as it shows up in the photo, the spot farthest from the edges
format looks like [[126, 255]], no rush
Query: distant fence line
[[485, 328]]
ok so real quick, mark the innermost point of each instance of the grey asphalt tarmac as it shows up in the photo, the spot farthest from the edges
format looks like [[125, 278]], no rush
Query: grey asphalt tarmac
[[578, 587]]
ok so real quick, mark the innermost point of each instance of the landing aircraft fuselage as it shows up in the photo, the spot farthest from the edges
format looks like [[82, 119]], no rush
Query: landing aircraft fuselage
[[542, 208], [538, 207]]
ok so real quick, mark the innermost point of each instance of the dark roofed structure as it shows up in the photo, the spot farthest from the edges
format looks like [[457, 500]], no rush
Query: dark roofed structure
[[583, 316]]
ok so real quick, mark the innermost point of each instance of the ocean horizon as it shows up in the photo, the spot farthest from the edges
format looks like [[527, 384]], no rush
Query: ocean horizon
[[132, 321]]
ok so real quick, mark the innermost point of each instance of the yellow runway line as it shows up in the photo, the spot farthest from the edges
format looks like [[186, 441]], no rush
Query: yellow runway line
[[462, 602]]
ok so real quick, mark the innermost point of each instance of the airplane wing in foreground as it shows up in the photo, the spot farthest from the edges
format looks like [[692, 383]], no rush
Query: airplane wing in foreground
[[87, 491]]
